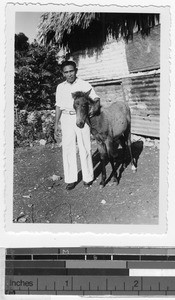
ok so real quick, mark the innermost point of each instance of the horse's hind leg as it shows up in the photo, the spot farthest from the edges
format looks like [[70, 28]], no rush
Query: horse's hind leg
[[127, 136], [123, 144], [133, 164]]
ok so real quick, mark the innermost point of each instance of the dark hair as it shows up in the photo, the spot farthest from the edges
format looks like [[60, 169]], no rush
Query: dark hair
[[68, 63]]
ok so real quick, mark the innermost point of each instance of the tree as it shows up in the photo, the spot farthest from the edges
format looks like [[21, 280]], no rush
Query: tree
[[37, 74], [76, 31], [21, 42]]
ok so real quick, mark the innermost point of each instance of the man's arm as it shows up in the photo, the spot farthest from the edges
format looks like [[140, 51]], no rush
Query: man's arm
[[58, 113], [93, 94]]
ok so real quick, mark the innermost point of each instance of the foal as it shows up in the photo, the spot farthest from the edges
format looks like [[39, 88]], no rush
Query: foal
[[110, 127]]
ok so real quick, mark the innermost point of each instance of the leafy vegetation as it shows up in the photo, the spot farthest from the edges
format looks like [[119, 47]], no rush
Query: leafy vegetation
[[33, 126], [37, 74]]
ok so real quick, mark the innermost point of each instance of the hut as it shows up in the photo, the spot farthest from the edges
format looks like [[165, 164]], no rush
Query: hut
[[119, 54]]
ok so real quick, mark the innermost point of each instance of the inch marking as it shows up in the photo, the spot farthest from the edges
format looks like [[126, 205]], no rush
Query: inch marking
[[72, 283], [58, 292], [137, 282]]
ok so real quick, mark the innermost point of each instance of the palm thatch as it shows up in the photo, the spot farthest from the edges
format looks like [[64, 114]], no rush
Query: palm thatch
[[77, 31]]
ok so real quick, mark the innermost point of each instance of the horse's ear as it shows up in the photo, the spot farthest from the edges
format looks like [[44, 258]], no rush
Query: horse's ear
[[94, 108], [88, 93]]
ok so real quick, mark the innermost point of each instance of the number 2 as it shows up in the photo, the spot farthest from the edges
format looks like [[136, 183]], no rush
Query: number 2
[[136, 283]]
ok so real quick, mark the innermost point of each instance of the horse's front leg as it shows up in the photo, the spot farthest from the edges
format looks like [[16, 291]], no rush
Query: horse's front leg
[[103, 174], [103, 155], [114, 174]]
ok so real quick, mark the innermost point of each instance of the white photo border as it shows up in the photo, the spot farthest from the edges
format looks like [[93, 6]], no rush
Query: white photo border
[[164, 108]]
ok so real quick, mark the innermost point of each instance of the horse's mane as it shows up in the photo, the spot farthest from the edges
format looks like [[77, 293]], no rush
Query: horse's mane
[[82, 94]]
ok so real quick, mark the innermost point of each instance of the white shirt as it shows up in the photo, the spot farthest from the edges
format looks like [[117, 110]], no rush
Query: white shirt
[[65, 89]]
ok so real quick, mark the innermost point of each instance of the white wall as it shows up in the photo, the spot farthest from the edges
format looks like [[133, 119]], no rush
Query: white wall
[[108, 64]]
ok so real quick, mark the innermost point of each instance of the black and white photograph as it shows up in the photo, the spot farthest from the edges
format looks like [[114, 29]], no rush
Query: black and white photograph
[[87, 149], [90, 130]]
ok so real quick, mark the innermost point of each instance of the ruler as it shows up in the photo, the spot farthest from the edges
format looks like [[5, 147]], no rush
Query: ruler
[[90, 271]]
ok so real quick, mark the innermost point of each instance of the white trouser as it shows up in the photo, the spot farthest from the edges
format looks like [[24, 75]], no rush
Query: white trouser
[[69, 133]]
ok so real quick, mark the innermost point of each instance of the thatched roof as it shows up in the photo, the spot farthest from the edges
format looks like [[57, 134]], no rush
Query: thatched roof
[[76, 31]]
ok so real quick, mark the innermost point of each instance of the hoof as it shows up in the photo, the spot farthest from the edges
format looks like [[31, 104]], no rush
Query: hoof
[[102, 184], [124, 166], [134, 169], [115, 180]]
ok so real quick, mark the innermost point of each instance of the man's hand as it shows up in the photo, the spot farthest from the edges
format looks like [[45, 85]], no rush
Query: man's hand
[[58, 113], [56, 133]]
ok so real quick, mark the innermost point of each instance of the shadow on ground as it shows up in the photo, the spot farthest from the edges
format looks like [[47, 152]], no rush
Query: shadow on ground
[[136, 147]]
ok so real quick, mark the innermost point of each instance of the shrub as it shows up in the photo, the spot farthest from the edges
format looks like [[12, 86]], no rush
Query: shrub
[[32, 126]]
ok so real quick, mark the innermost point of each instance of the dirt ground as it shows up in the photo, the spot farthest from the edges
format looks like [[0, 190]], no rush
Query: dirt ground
[[39, 198]]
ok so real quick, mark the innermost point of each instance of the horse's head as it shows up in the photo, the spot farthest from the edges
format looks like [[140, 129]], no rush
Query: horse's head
[[84, 107], [81, 106]]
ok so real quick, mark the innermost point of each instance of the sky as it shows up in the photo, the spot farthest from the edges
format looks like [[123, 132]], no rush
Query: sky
[[27, 22]]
